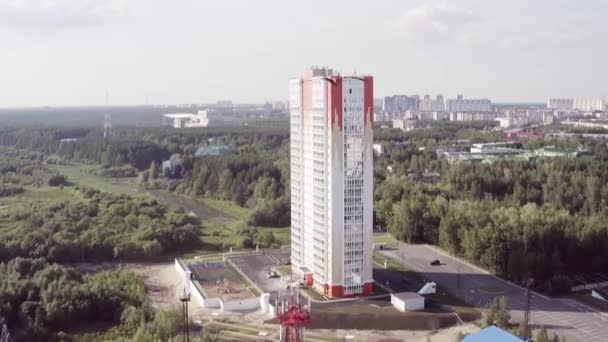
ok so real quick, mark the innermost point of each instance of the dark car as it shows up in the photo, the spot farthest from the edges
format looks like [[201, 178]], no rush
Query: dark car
[[435, 262]]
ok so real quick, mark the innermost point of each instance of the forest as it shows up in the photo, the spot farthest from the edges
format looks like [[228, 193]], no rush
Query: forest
[[44, 299], [47, 302], [519, 219], [100, 227], [542, 219]]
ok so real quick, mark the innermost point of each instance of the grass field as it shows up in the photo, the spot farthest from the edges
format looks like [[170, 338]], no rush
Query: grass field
[[32, 198], [220, 220], [226, 231], [79, 174], [39, 195], [228, 208]]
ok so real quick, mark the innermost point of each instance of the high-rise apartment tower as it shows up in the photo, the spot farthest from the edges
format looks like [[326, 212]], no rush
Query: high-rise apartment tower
[[331, 119]]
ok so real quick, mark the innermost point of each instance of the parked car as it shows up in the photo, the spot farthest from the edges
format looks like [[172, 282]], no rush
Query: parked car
[[435, 262], [273, 274]]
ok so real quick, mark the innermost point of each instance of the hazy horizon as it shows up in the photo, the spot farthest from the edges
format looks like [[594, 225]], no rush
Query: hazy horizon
[[68, 52]]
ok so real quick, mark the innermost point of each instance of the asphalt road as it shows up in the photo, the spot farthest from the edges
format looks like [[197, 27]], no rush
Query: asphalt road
[[257, 266], [568, 318]]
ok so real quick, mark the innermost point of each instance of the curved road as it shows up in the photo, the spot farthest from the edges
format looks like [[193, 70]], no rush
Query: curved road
[[568, 318]]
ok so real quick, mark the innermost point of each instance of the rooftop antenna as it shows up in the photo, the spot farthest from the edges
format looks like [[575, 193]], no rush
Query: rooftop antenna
[[107, 118]]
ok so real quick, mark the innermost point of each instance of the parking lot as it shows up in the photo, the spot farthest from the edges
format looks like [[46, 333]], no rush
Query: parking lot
[[257, 266]]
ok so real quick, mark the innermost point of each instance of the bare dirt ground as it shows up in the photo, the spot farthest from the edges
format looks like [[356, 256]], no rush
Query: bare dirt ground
[[444, 335], [162, 282], [164, 285]]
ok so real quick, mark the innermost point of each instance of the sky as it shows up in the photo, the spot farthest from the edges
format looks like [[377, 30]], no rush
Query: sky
[[68, 52]]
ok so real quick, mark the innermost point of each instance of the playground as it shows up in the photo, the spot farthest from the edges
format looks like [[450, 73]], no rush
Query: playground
[[219, 280]]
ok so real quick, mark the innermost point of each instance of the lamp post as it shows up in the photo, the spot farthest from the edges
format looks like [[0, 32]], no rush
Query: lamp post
[[185, 298]]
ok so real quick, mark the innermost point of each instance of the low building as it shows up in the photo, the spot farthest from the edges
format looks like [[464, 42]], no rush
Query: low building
[[551, 151], [378, 149], [185, 120], [203, 118], [405, 124], [172, 168], [473, 116], [213, 150], [407, 301], [492, 333], [481, 147]]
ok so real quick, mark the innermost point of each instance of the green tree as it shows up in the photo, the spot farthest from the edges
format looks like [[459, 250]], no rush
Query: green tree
[[523, 330], [166, 323], [502, 312], [209, 334], [542, 335], [153, 171]]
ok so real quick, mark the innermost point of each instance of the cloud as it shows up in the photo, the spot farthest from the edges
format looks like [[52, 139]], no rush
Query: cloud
[[439, 23], [57, 13], [541, 41]]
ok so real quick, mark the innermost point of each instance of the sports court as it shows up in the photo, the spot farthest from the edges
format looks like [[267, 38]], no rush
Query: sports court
[[219, 280]]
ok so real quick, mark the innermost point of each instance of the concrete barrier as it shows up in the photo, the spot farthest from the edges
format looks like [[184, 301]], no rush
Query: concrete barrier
[[589, 286], [196, 292], [243, 304]]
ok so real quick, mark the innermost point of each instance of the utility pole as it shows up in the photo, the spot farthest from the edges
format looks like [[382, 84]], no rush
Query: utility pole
[[185, 298], [458, 277]]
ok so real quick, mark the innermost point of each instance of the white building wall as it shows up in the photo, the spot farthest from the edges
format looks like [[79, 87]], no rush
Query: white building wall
[[296, 160], [332, 182], [239, 305]]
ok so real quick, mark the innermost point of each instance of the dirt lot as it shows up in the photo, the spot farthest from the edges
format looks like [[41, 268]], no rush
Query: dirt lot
[[444, 335], [162, 282]]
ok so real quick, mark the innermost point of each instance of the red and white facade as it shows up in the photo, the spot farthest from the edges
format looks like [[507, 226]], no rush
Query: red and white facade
[[331, 119]]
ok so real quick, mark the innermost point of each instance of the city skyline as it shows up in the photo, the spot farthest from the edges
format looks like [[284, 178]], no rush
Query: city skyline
[[153, 51]]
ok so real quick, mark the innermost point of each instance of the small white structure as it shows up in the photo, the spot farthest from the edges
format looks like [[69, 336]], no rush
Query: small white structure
[[407, 301], [378, 149], [428, 288], [184, 120]]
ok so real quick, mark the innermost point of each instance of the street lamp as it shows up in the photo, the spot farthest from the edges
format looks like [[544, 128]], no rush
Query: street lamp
[[185, 298]]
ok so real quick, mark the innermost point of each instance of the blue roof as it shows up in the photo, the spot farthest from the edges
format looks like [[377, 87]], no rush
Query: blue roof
[[492, 334]]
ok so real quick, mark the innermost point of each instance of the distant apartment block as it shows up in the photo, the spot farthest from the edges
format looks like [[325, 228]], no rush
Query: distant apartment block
[[432, 105], [513, 119], [473, 116], [590, 104], [331, 126], [397, 104], [461, 104], [560, 104]]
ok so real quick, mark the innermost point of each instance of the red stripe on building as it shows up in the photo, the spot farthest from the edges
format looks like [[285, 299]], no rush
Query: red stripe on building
[[368, 99], [335, 101]]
